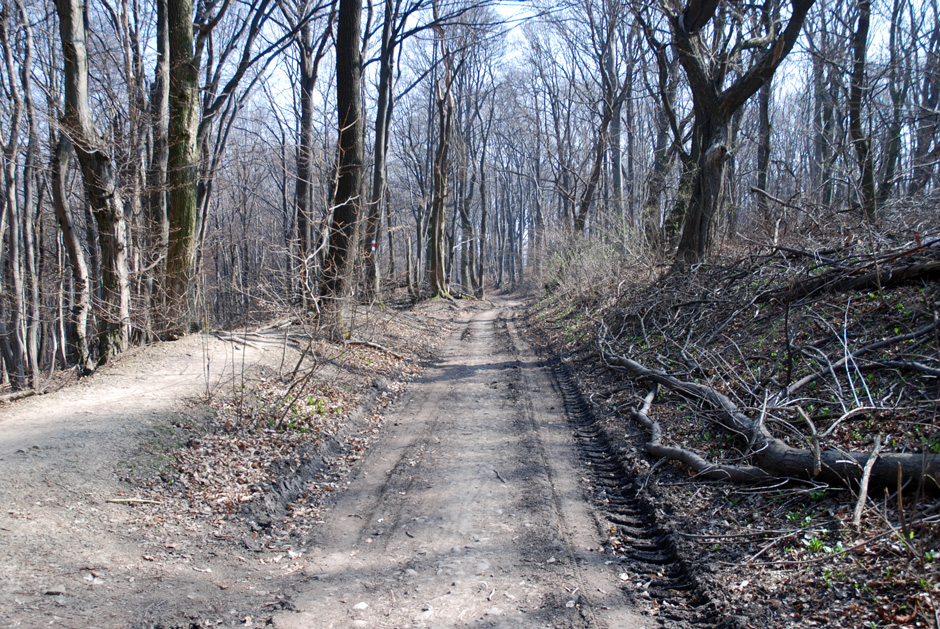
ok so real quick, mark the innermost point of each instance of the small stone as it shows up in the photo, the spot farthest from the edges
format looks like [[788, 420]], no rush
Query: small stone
[[361, 606]]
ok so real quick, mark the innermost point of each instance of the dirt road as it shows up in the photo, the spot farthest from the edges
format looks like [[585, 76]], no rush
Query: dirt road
[[470, 511]]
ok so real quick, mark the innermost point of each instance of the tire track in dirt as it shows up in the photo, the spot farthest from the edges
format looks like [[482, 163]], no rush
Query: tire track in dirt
[[645, 549], [468, 512]]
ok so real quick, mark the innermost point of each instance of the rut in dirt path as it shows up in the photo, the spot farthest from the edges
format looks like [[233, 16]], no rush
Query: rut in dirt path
[[469, 511]]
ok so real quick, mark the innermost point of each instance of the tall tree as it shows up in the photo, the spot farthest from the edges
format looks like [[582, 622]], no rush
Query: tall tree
[[444, 98], [310, 51], [98, 173], [857, 93], [347, 200], [182, 161]]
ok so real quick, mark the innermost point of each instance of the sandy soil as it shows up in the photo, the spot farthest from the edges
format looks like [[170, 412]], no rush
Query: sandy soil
[[468, 510]]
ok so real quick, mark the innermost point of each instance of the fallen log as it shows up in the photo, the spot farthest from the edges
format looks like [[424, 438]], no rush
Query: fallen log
[[857, 279], [776, 458]]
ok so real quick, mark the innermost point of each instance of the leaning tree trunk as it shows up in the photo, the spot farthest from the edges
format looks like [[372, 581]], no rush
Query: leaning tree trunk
[[100, 184], [79, 316], [347, 200]]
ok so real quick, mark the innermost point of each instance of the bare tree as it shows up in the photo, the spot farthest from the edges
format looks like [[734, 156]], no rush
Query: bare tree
[[707, 65]]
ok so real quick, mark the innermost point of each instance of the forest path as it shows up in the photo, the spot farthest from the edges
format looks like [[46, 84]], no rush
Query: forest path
[[469, 511]]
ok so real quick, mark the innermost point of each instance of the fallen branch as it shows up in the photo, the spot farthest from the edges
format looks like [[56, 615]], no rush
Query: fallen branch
[[18, 395], [237, 339], [857, 279], [701, 467], [773, 456], [381, 348], [863, 486]]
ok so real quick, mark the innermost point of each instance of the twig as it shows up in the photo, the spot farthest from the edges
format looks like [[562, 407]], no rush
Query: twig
[[770, 544], [133, 501], [863, 486], [735, 535], [799, 384]]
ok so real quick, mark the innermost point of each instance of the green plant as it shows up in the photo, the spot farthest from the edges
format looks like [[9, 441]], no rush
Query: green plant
[[814, 544], [803, 519]]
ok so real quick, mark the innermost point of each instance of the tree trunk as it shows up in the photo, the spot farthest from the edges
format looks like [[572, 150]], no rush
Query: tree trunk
[[309, 66], [898, 84], [100, 185], [348, 197], [437, 250], [927, 148], [763, 148], [711, 152], [869, 200], [305, 164], [158, 218], [383, 115], [182, 164], [30, 210], [14, 339]]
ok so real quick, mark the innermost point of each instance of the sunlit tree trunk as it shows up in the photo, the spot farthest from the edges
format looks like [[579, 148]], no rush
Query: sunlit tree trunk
[[100, 184]]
